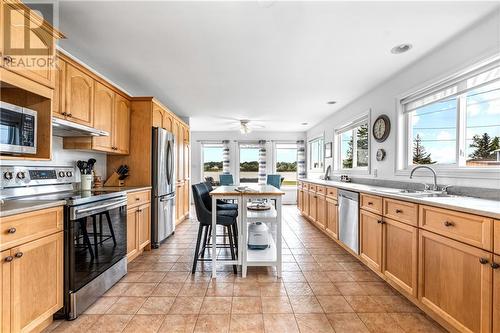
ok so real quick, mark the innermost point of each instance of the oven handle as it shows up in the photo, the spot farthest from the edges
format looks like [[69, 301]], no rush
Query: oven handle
[[114, 204]]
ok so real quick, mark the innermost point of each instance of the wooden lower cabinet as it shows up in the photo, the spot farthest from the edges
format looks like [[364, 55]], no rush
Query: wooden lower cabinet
[[31, 281], [305, 203], [331, 217], [496, 295], [370, 239], [138, 223], [144, 223], [321, 211], [132, 234], [300, 193], [455, 282], [312, 205], [400, 254]]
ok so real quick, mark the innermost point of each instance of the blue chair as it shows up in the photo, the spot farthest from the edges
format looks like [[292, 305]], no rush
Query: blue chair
[[274, 180], [226, 179]]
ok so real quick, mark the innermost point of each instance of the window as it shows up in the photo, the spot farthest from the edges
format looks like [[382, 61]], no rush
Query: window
[[249, 163], [353, 146], [286, 162], [212, 162], [316, 160], [456, 124]]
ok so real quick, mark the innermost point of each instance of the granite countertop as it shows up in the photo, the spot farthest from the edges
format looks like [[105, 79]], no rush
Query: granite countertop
[[484, 207], [13, 207], [125, 189]]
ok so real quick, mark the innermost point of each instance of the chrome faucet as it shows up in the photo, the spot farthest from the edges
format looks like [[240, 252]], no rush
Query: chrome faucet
[[435, 187]]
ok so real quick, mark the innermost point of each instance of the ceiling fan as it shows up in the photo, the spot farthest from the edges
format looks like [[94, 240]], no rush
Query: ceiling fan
[[246, 125]]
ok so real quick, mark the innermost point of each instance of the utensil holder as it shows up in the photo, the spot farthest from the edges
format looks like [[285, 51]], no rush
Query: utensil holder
[[86, 182]]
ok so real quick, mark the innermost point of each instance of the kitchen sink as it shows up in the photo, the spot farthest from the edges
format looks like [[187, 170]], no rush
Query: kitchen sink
[[415, 193]]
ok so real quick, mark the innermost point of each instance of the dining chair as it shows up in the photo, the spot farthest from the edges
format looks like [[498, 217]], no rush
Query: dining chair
[[226, 179], [274, 180]]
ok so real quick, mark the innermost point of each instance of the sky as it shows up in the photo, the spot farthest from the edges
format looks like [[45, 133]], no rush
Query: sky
[[436, 123], [214, 154]]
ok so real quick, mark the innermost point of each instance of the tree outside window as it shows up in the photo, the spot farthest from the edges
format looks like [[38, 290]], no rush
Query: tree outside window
[[286, 162], [354, 148]]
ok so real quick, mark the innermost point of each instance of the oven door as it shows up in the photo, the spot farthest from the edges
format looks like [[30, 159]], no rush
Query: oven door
[[96, 240], [17, 129]]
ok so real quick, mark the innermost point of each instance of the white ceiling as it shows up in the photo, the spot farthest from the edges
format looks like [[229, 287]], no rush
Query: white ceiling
[[277, 62]]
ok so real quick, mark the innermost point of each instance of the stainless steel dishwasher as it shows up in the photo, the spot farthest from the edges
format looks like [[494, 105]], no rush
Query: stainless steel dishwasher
[[349, 219]]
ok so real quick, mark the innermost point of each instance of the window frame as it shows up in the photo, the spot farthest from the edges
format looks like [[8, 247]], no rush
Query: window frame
[[309, 154], [351, 126], [253, 144], [275, 159], [404, 136], [202, 152]]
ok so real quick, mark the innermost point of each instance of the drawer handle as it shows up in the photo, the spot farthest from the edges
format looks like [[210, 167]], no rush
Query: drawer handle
[[448, 224], [9, 258], [12, 230], [137, 199], [399, 211], [370, 203], [494, 265], [69, 115], [379, 221], [483, 261], [18, 254]]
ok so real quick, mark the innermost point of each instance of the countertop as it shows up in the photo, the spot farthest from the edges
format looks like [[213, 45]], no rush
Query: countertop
[[483, 207], [252, 190], [13, 207], [125, 189]]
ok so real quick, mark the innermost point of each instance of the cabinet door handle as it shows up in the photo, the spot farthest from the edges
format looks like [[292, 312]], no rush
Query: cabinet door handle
[[18, 254], [494, 265], [137, 199], [370, 203], [69, 115], [399, 211], [9, 258], [12, 230], [448, 224], [483, 261]]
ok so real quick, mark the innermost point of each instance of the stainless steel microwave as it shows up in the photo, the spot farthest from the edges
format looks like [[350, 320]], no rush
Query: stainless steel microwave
[[17, 129]]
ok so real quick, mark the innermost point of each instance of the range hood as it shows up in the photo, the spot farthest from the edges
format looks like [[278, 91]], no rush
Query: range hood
[[64, 128]]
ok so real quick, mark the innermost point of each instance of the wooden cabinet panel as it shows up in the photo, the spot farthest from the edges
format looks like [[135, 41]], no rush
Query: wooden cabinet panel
[[5, 292], [132, 234], [321, 190], [138, 198], [331, 192], [178, 204], [104, 101], [79, 96], [496, 236], [305, 203], [471, 229], [321, 210], [370, 235], [180, 153], [168, 121], [58, 100], [22, 228], [454, 283], [186, 198], [37, 282], [331, 217], [121, 122], [158, 115], [144, 224], [300, 192], [371, 203], [402, 211], [400, 256], [496, 296], [313, 198]]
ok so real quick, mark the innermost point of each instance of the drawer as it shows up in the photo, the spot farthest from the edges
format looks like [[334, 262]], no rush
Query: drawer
[[496, 236], [331, 192], [21, 228], [371, 203], [312, 187], [300, 185], [138, 198], [402, 211], [471, 229], [321, 190]]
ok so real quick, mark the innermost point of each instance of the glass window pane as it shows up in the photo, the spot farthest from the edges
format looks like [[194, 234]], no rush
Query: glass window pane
[[434, 133], [249, 164], [483, 126], [212, 162], [316, 153], [362, 146], [346, 142], [286, 163]]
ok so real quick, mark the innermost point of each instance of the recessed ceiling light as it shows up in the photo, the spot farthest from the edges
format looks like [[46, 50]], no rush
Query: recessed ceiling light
[[401, 48], [331, 102], [304, 124]]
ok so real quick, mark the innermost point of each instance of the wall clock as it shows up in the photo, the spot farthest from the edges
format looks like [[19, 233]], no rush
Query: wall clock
[[380, 154], [381, 128]]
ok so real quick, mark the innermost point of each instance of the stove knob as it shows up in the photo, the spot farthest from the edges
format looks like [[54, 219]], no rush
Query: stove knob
[[8, 175], [69, 174], [61, 174], [21, 175]]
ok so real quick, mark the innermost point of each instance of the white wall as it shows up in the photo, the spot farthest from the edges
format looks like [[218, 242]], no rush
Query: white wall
[[478, 42], [233, 136], [66, 157]]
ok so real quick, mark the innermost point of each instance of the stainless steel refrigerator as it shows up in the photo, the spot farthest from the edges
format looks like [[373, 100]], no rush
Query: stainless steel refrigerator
[[163, 173]]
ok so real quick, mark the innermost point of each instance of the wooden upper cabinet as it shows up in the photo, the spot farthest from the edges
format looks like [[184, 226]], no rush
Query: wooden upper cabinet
[[104, 103], [180, 153], [4, 292], [168, 121], [79, 96], [370, 237], [37, 282], [455, 281], [58, 100], [400, 256], [496, 296], [158, 116], [121, 125]]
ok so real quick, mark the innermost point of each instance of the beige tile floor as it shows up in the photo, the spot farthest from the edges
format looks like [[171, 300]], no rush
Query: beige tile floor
[[323, 289]]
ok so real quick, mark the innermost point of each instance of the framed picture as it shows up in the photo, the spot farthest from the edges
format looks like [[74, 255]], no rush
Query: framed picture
[[328, 150]]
